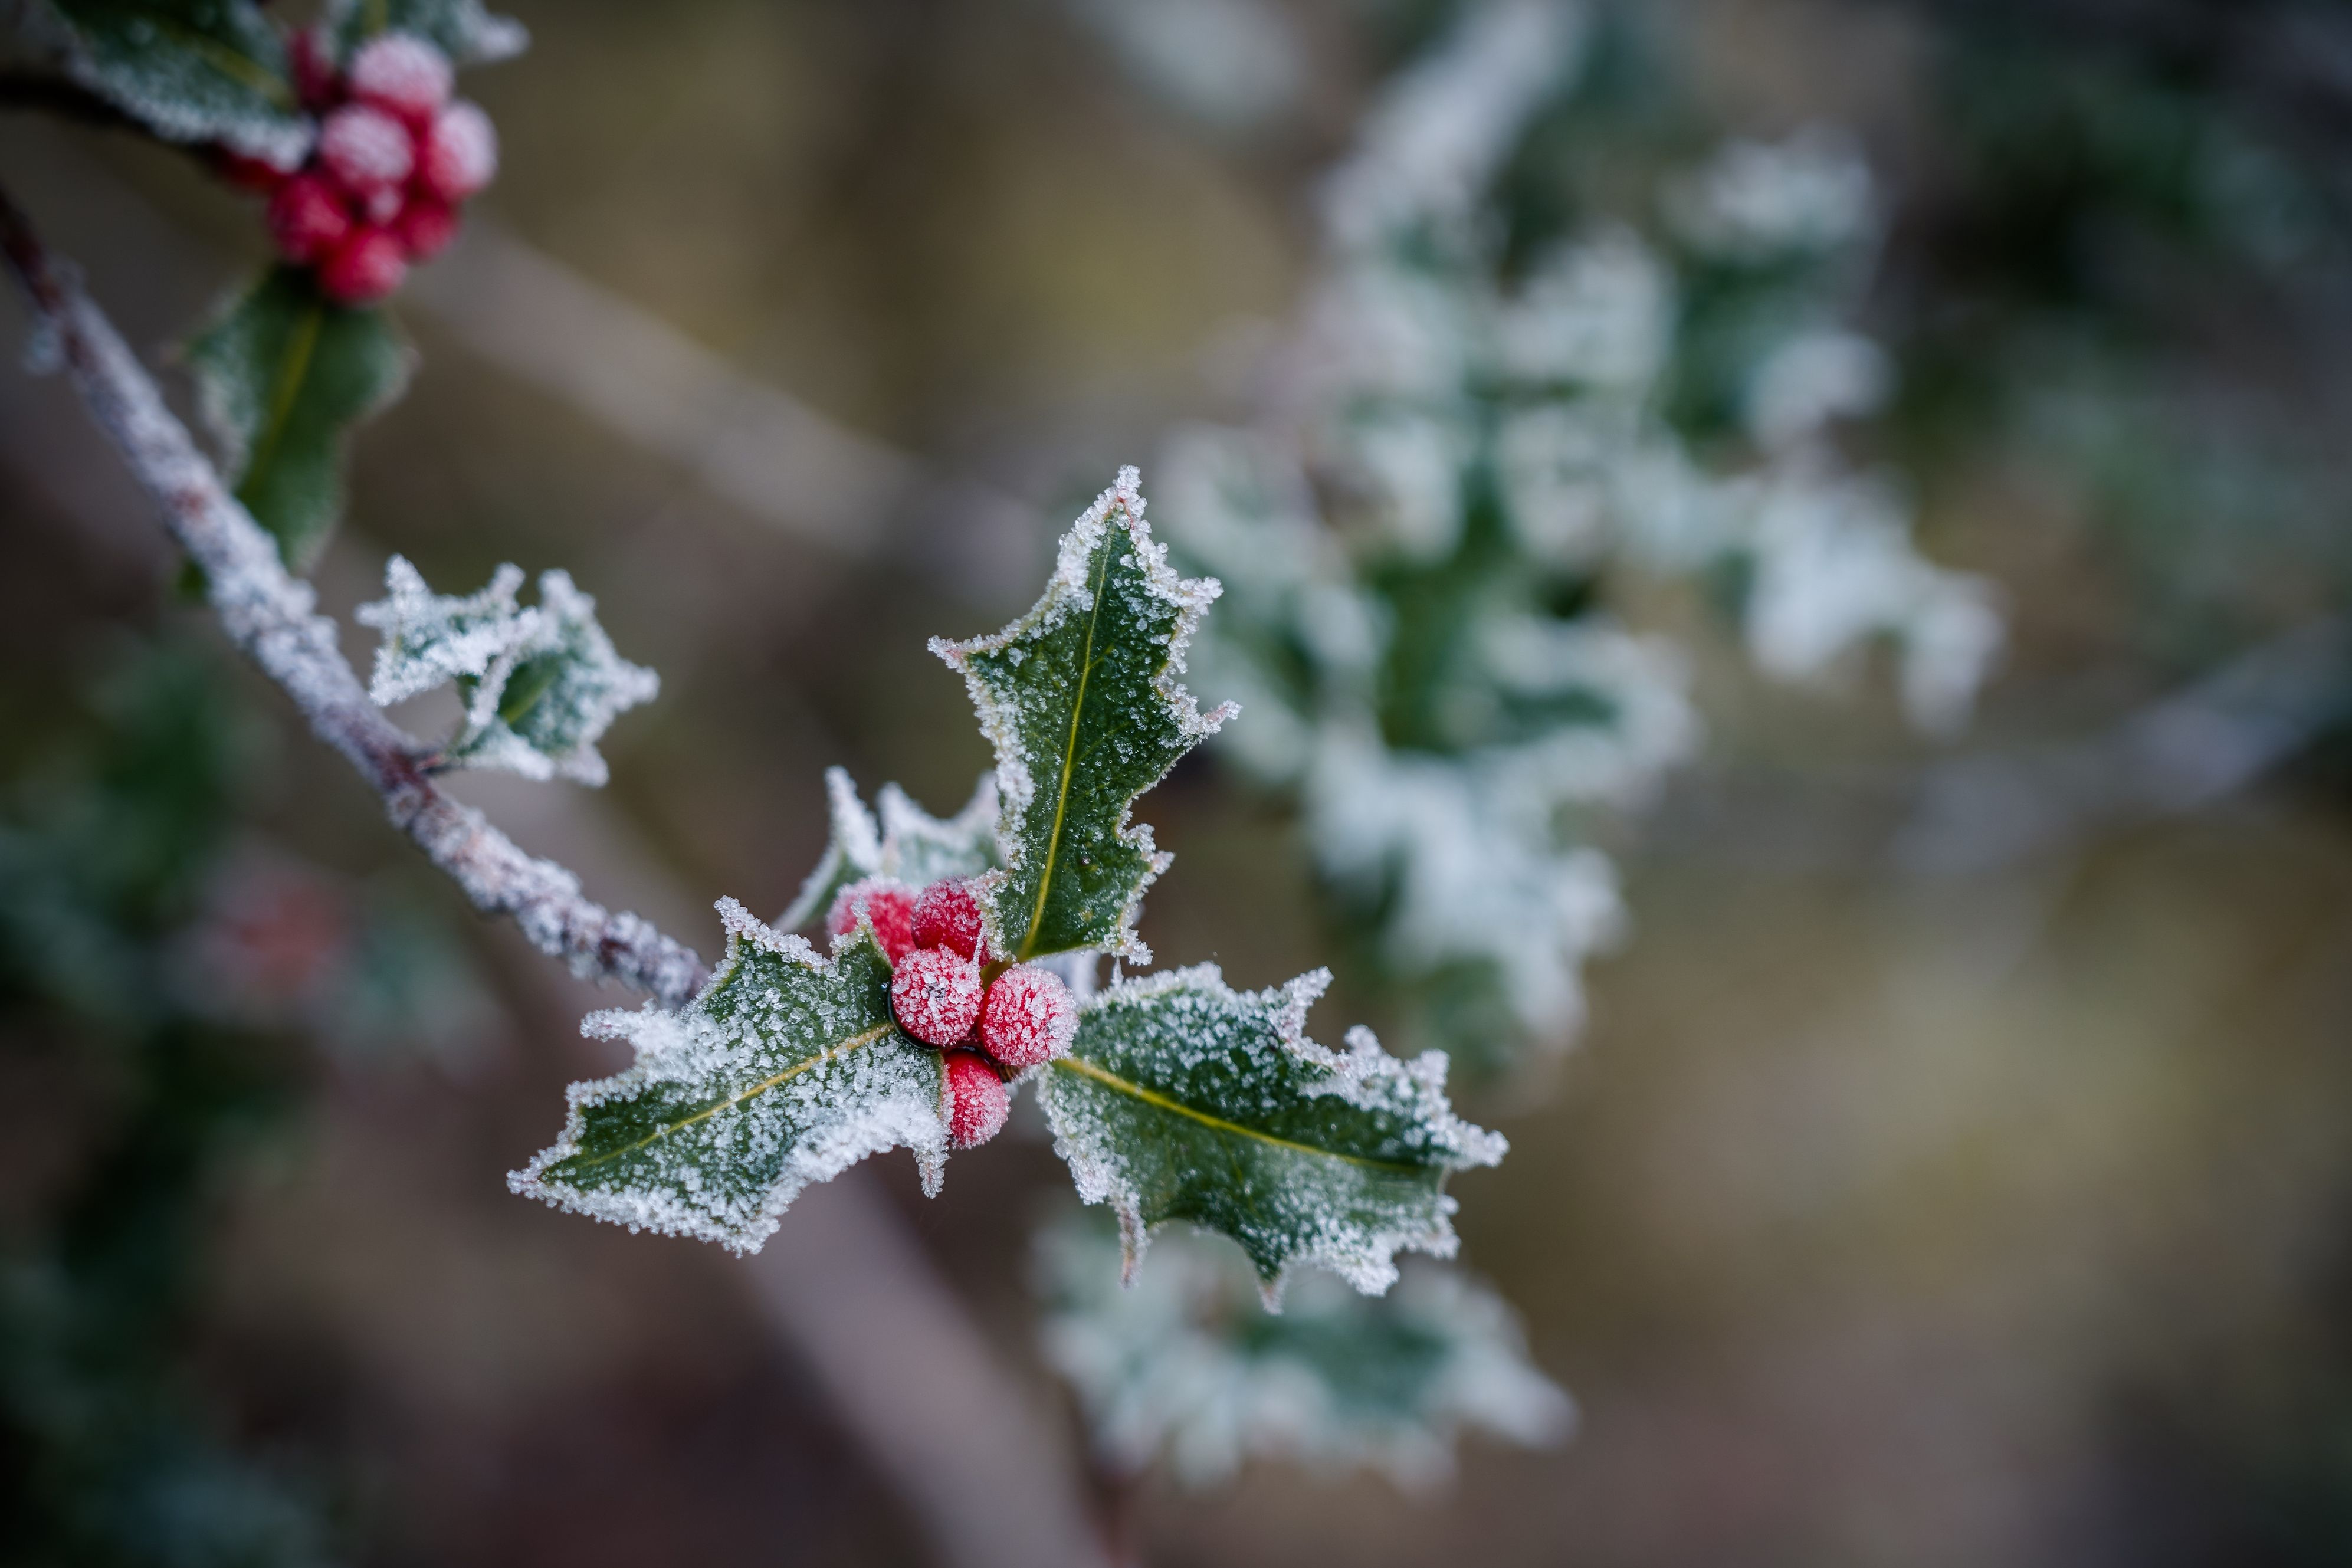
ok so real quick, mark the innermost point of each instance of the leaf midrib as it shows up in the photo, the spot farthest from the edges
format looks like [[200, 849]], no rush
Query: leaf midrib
[[1069, 752], [831, 1053], [1158, 1100], [292, 372]]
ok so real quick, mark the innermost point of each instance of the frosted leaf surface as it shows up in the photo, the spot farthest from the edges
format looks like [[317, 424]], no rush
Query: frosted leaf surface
[[1183, 1098], [1756, 201], [283, 374], [1082, 701], [786, 1070], [190, 70], [899, 841], [464, 30], [540, 683], [1184, 1368]]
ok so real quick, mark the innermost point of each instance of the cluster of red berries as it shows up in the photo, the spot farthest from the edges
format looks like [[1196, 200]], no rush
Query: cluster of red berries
[[393, 160], [938, 956]]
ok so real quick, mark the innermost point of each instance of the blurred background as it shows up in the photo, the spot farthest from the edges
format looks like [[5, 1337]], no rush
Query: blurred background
[[1953, 1166]]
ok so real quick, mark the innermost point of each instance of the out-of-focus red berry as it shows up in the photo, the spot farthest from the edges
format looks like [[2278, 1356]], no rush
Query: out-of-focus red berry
[[402, 75], [425, 229], [366, 267], [889, 905], [460, 155], [308, 218], [366, 148], [316, 81]]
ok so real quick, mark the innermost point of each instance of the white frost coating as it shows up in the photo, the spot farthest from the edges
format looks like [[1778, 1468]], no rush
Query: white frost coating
[[577, 683], [1759, 200], [907, 844], [170, 94], [1066, 593], [797, 1112], [272, 618], [1442, 130], [1181, 1369], [1318, 1212]]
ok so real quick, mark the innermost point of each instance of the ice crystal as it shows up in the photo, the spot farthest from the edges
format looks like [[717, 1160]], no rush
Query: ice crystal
[[786, 1069], [1183, 1368], [1183, 1098], [540, 683]]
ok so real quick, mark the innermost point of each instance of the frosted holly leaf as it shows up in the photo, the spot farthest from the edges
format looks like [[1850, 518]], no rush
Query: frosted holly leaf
[[1080, 698], [190, 70], [463, 29], [907, 845], [540, 683], [1183, 1098], [1185, 1370], [786, 1071], [282, 375]]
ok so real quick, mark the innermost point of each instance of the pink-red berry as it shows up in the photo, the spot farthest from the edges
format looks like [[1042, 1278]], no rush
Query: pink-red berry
[[889, 905], [402, 75], [308, 218], [1027, 1017], [313, 64], [936, 994], [978, 1102], [366, 148], [459, 154], [425, 229], [366, 267], [947, 915]]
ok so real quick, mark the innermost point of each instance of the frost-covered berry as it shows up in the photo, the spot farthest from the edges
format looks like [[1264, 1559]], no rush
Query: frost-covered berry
[[889, 905], [402, 75], [935, 995], [977, 1099], [1027, 1017], [308, 219], [425, 229], [366, 267], [459, 154], [947, 915], [366, 148]]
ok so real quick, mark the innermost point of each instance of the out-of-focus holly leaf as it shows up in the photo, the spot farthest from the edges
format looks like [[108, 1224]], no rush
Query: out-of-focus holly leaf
[[190, 70], [464, 30]]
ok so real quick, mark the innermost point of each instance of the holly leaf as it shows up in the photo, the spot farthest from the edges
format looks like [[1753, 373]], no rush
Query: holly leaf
[[907, 845], [462, 30], [542, 683], [786, 1071], [1183, 1098], [1183, 1368], [1081, 700], [190, 70], [282, 375]]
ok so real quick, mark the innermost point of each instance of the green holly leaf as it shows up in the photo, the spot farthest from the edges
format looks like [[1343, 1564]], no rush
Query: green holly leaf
[[462, 30], [542, 683], [786, 1071], [1081, 700], [1184, 1369], [190, 70], [908, 845], [1183, 1098], [282, 375]]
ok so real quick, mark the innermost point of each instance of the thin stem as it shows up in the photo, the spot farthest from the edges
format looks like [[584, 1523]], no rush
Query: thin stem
[[272, 618]]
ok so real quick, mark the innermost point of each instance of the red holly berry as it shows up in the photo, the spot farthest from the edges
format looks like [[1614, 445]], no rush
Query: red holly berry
[[366, 267], [935, 995], [402, 75], [888, 904], [313, 64], [977, 1100], [947, 915], [459, 154], [1027, 1017], [308, 218], [366, 148], [425, 229]]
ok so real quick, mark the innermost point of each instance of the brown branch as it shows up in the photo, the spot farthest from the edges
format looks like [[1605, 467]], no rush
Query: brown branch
[[271, 616]]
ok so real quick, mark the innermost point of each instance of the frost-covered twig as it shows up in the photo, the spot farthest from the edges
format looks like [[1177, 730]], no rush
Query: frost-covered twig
[[272, 617]]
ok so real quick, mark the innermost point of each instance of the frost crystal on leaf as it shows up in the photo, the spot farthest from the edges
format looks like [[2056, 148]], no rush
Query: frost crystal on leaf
[[211, 72], [908, 845], [1183, 1098], [1184, 1368], [786, 1070], [1081, 700], [540, 683], [462, 30]]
